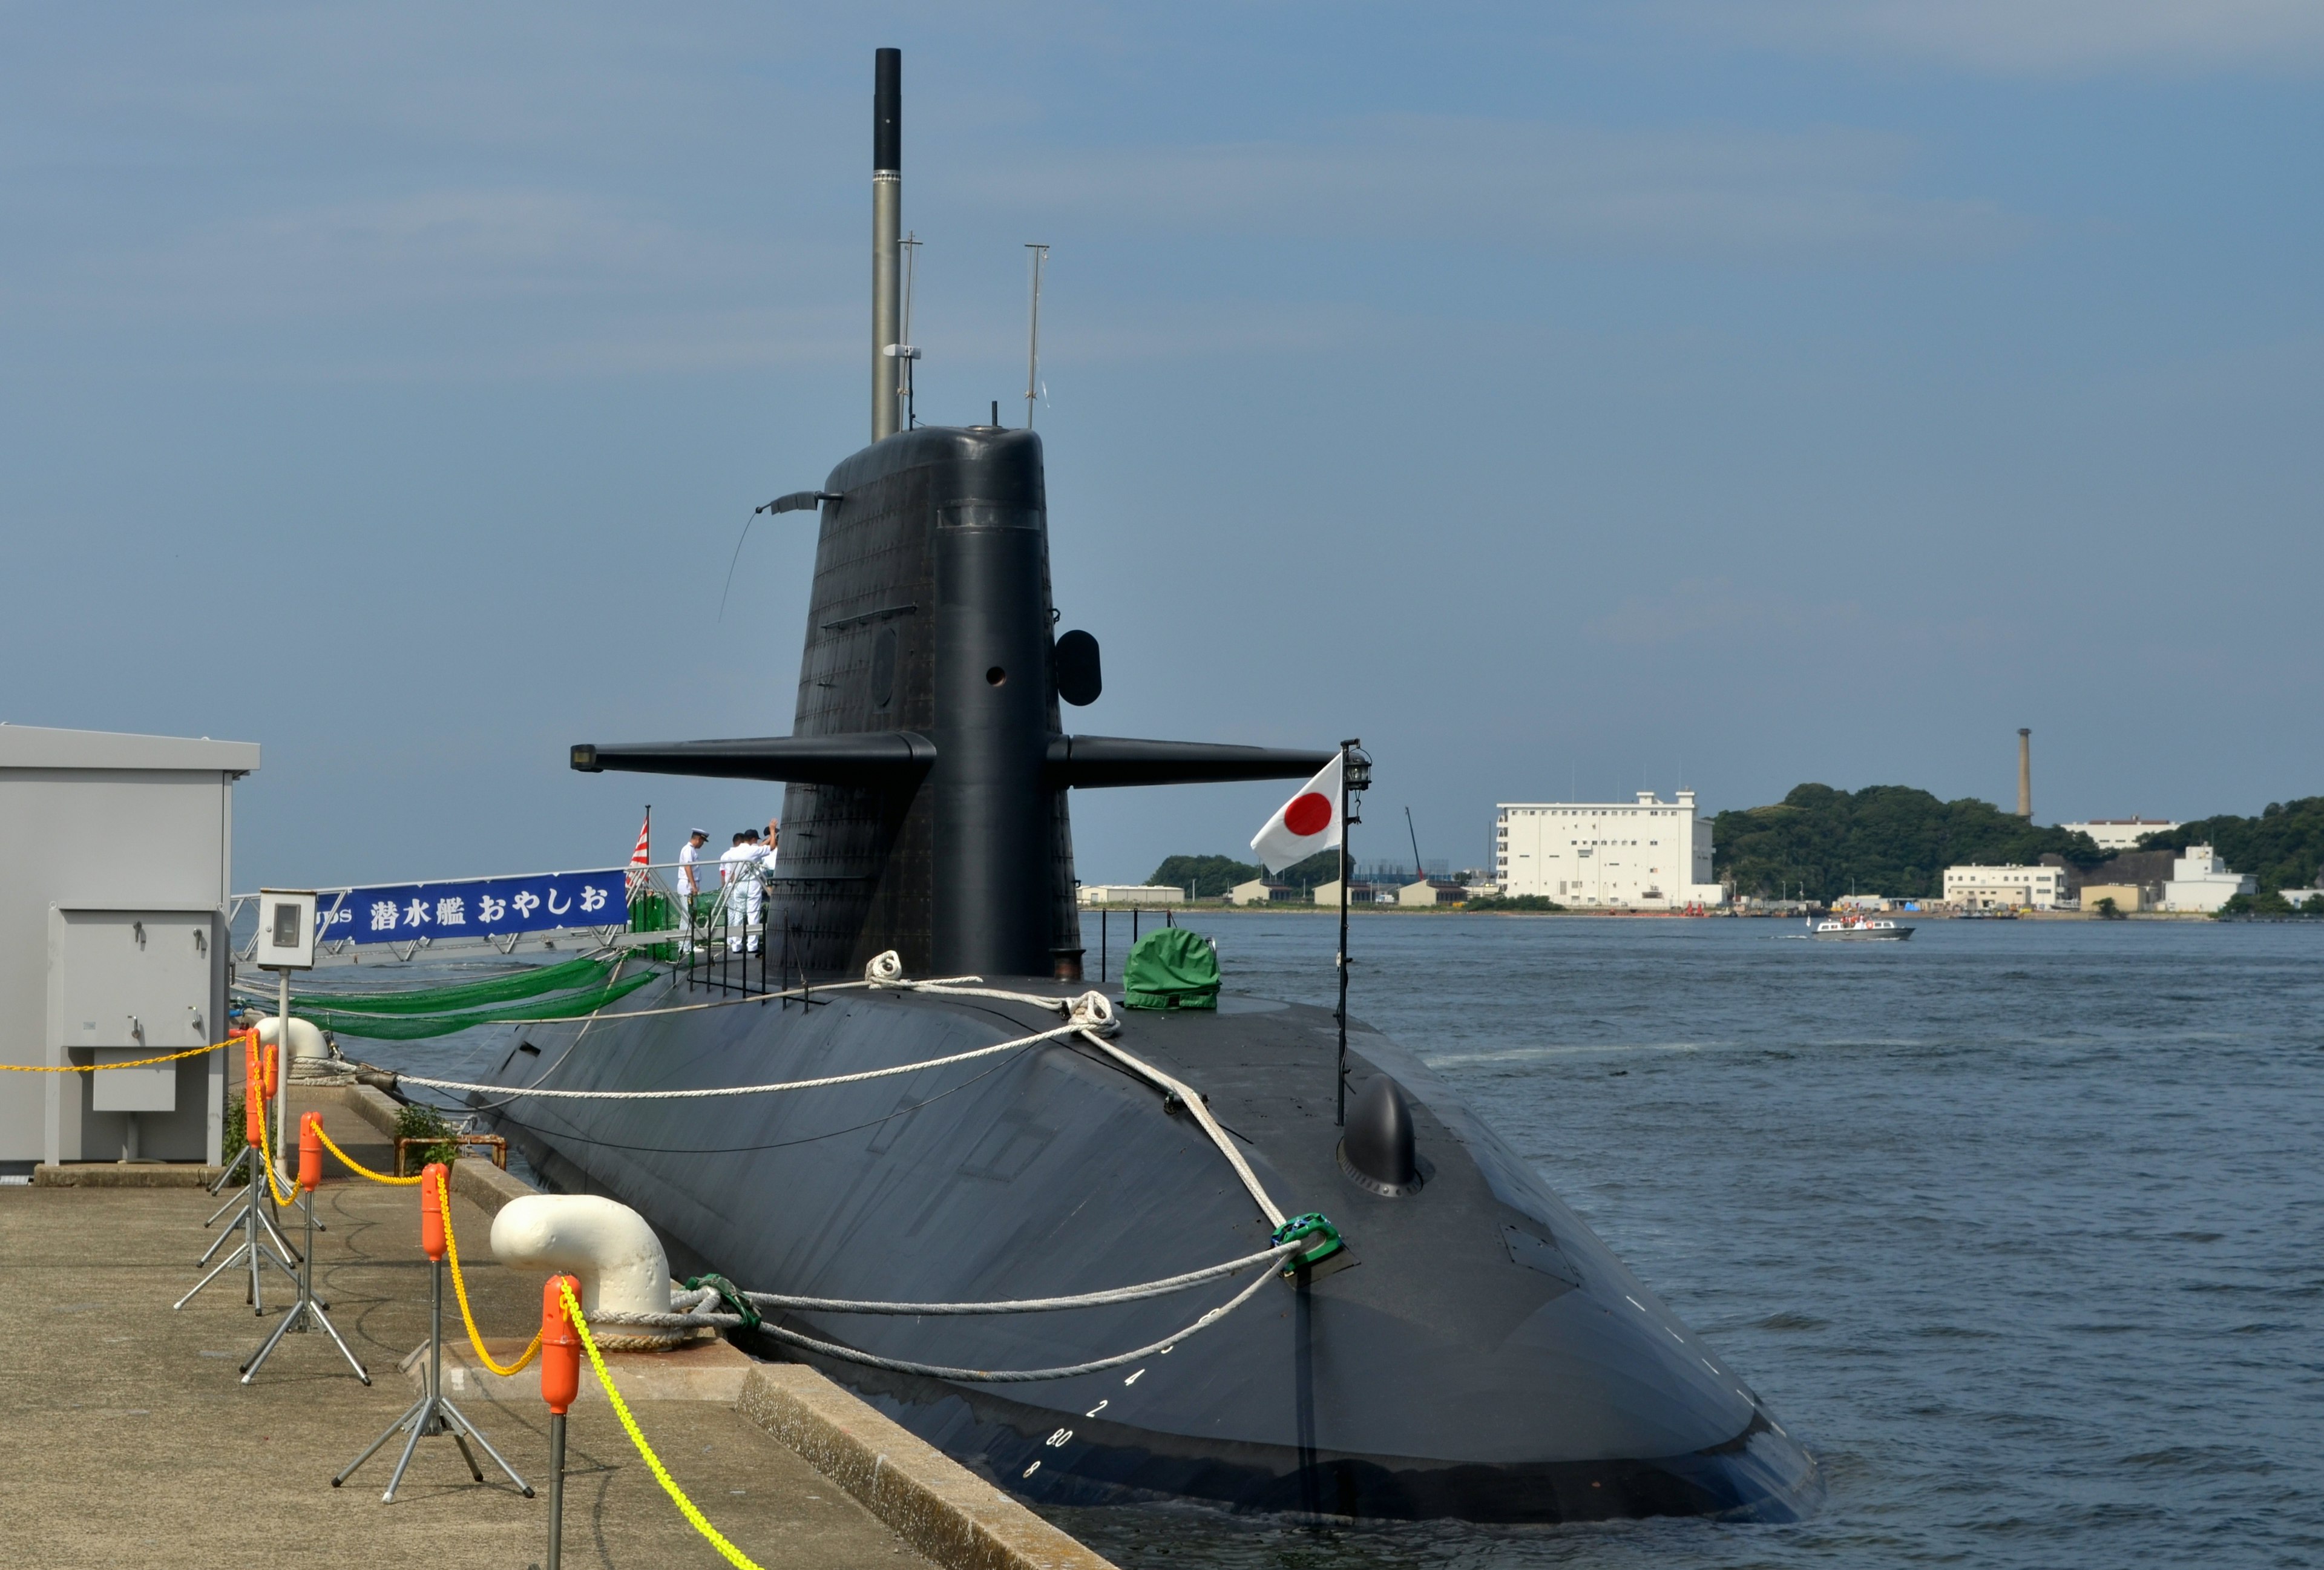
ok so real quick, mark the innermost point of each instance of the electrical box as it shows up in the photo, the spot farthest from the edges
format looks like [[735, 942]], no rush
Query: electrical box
[[286, 929], [129, 984], [100, 832]]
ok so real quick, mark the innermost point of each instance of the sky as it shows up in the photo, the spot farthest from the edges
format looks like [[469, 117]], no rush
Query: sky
[[1566, 400]]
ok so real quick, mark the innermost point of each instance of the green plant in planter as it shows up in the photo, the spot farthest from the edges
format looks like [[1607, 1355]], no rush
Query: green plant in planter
[[415, 1121]]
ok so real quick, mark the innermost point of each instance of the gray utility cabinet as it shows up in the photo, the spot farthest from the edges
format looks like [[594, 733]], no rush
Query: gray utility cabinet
[[126, 985], [115, 852]]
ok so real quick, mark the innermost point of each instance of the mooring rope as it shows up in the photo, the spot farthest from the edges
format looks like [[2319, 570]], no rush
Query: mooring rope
[[1013, 1376], [711, 1092], [697, 1313]]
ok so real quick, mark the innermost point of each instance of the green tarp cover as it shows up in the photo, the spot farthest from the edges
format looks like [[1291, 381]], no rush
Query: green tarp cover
[[529, 983], [412, 1026], [1171, 969]]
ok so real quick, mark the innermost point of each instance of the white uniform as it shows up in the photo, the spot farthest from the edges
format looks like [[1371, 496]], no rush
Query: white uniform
[[746, 896], [689, 883]]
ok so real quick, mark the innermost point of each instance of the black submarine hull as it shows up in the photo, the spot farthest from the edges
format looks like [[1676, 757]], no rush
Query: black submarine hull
[[1486, 1358]]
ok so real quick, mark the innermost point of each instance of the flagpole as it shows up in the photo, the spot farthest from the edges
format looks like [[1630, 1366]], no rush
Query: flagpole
[[1339, 1072]]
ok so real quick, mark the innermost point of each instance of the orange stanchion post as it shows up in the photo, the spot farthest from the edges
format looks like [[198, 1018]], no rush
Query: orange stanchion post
[[431, 1210], [310, 1153], [310, 1173], [262, 1241], [432, 1413], [254, 1092], [560, 1382]]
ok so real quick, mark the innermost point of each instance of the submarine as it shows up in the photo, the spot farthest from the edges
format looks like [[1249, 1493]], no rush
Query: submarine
[[1473, 1350]]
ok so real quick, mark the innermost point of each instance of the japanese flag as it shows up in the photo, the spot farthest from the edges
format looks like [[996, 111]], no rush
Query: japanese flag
[[1307, 823]]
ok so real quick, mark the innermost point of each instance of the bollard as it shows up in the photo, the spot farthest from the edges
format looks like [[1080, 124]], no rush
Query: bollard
[[560, 1382]]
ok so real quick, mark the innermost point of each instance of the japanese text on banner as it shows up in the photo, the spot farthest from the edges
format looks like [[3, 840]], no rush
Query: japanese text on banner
[[479, 907]]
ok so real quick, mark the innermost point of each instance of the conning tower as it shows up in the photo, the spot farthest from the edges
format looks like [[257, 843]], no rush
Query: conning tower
[[928, 764]]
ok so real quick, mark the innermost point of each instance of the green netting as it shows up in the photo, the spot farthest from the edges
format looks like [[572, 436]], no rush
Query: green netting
[[1171, 969], [500, 989], [412, 1026]]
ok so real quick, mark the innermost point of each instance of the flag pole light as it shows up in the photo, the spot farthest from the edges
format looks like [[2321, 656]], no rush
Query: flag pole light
[[1355, 777]]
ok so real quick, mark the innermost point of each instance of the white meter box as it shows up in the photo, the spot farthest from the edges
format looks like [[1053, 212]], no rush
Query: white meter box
[[286, 929]]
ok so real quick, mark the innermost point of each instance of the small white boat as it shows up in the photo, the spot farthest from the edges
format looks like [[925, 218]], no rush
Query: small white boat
[[1857, 929]]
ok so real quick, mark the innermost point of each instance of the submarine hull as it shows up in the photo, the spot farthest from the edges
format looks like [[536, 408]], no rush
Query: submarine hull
[[1485, 1357]]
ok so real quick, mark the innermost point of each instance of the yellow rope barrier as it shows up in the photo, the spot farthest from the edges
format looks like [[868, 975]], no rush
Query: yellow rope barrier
[[138, 1062], [266, 1156], [357, 1167], [460, 1290], [686, 1507]]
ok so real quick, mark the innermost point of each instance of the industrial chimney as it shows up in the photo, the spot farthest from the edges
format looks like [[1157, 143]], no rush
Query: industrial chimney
[[887, 227], [2025, 773]]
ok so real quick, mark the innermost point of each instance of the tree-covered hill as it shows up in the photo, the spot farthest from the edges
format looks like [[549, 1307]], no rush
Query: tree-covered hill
[[2281, 847], [1208, 876], [1212, 876], [1884, 839]]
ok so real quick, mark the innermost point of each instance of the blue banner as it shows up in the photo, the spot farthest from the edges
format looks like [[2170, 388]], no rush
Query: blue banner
[[475, 908]]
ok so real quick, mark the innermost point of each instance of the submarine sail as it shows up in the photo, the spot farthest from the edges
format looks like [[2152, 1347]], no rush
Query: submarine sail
[[1479, 1353]]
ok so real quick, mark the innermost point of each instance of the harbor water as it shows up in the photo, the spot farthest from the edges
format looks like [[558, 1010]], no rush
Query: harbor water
[[2016, 1224]]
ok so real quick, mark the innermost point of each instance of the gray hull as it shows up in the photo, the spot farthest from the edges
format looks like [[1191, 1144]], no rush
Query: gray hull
[[1486, 1358]]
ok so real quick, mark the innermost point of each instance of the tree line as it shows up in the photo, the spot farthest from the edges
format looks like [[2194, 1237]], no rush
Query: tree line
[[1819, 843]]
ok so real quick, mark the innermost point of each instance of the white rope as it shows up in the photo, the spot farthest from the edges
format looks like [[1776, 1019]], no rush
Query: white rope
[[709, 1092], [1192, 1101], [1030, 1304], [1015, 1376], [693, 1310]]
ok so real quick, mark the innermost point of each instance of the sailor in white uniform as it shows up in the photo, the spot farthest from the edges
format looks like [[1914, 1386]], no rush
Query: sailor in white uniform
[[731, 862], [689, 882], [748, 890]]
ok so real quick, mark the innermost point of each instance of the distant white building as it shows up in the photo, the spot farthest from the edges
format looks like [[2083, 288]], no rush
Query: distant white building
[[1125, 895], [2200, 880], [2120, 834], [1258, 891], [1646, 855], [2005, 888]]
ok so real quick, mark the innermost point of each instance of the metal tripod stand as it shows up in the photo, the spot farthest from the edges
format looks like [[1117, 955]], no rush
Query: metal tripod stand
[[241, 1161], [307, 1306], [261, 1240], [431, 1414]]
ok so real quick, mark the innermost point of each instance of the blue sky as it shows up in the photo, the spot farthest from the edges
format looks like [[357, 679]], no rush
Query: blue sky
[[1556, 396]]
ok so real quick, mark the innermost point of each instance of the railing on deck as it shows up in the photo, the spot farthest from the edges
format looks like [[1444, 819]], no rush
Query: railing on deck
[[718, 945]]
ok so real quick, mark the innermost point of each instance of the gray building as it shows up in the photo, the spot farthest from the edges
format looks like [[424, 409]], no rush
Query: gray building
[[116, 854]]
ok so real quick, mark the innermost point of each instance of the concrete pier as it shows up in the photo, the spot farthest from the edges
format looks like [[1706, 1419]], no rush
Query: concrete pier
[[131, 1439]]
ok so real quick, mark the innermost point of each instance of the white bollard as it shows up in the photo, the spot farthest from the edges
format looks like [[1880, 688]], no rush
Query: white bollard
[[306, 1038], [609, 1246]]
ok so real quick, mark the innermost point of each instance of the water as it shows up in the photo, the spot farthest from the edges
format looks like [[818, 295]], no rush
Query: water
[[2014, 1224]]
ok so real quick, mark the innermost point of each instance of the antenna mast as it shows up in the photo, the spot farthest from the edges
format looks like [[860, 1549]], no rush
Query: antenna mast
[[905, 351], [1033, 340], [887, 219]]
